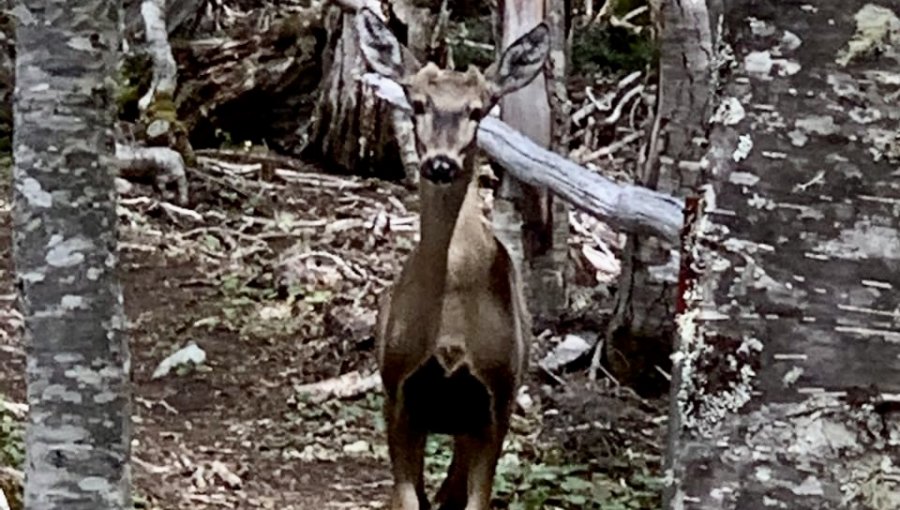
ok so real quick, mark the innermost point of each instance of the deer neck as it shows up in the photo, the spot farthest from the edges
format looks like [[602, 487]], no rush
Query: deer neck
[[440, 211]]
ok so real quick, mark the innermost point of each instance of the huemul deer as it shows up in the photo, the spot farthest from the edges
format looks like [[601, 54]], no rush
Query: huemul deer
[[453, 332]]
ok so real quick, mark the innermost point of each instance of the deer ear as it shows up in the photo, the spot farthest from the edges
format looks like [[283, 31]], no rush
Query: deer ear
[[380, 49], [520, 62]]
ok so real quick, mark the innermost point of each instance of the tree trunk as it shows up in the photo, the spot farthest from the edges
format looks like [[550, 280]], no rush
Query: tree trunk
[[352, 131], [523, 218], [178, 14], [786, 383], [7, 79], [64, 248], [639, 337], [551, 266], [418, 23], [165, 73], [159, 115]]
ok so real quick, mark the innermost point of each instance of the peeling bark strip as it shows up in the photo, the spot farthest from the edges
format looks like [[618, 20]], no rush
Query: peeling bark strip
[[64, 247], [787, 371], [626, 207]]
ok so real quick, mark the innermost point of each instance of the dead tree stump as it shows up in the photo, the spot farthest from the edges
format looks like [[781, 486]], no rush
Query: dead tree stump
[[351, 131]]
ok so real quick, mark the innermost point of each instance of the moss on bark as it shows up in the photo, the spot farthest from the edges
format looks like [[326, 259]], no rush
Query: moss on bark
[[162, 128]]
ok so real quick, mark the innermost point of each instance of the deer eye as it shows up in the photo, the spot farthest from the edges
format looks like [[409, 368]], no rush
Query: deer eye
[[418, 107], [475, 114]]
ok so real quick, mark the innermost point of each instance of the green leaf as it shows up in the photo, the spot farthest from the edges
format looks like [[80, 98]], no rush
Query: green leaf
[[575, 484], [318, 296], [212, 242]]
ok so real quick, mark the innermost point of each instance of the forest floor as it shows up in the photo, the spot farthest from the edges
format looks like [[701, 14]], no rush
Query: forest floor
[[273, 270]]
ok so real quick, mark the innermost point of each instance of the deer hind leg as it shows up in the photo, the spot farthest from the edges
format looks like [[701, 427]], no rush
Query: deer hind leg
[[406, 447], [452, 494]]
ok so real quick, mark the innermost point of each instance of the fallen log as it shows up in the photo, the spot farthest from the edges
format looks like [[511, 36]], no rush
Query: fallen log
[[255, 83], [627, 207]]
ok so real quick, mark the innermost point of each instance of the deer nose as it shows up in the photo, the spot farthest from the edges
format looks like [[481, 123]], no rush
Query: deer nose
[[439, 169]]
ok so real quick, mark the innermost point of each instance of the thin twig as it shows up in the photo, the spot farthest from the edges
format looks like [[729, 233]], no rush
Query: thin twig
[[613, 147]]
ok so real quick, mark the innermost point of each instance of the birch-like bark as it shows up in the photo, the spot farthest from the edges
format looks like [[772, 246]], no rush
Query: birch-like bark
[[64, 249], [787, 375], [165, 72]]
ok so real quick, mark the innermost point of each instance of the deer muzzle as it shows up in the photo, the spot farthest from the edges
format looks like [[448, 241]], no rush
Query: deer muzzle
[[440, 169]]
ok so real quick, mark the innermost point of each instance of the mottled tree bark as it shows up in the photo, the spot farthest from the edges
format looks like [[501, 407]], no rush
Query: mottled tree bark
[[64, 247], [787, 375], [640, 334]]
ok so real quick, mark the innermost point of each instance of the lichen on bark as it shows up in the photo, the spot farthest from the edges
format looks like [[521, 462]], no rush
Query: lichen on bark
[[786, 361]]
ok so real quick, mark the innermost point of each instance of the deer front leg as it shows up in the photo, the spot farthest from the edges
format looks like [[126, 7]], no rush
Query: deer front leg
[[452, 494], [484, 451], [406, 447]]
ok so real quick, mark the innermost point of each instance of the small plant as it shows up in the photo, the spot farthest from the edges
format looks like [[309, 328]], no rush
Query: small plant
[[138, 501], [438, 454], [132, 81]]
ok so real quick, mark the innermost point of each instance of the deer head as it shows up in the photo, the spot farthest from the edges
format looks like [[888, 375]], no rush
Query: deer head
[[447, 105]]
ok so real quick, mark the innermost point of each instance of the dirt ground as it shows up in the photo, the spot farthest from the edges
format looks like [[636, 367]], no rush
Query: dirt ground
[[275, 276]]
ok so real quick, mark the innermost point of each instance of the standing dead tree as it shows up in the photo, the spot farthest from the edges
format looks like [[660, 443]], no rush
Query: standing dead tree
[[352, 131], [550, 265], [525, 216], [640, 334]]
